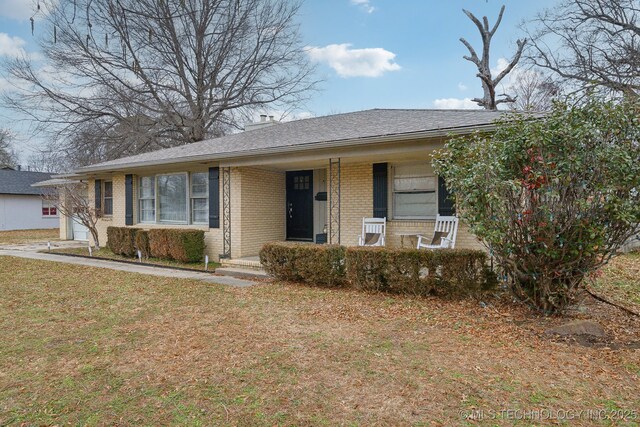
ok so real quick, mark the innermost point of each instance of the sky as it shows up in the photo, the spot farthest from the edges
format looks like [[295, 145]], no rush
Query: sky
[[369, 53]]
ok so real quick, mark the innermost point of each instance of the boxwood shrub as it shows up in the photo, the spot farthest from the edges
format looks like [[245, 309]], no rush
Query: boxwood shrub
[[180, 245], [446, 272], [121, 240], [321, 265]]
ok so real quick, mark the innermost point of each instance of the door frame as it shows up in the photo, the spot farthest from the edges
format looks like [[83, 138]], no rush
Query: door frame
[[310, 220]]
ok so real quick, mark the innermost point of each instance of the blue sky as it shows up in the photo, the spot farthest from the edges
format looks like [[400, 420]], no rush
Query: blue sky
[[370, 53]]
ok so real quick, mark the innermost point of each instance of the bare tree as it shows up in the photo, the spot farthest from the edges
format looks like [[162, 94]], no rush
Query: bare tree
[[593, 45], [489, 83], [7, 154], [156, 73], [532, 91], [47, 160], [70, 199]]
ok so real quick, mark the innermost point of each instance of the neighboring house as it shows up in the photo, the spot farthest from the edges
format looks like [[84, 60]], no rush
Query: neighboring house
[[310, 180], [21, 205]]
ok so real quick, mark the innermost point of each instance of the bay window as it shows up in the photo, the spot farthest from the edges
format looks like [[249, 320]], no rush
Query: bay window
[[414, 192], [177, 198]]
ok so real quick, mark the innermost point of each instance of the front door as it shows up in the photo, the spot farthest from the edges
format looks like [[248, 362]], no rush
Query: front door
[[300, 205]]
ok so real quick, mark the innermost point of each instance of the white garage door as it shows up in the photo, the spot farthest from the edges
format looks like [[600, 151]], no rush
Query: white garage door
[[80, 231]]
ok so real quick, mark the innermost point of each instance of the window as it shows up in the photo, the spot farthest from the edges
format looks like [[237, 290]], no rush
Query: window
[[414, 192], [172, 198], [147, 199], [48, 208], [107, 198], [199, 198], [177, 198]]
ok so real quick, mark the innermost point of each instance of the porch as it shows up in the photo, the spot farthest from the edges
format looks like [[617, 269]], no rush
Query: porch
[[323, 200]]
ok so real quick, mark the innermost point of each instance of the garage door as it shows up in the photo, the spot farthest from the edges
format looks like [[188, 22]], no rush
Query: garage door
[[80, 231]]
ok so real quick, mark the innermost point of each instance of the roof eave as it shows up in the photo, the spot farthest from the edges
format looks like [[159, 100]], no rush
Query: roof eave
[[288, 149]]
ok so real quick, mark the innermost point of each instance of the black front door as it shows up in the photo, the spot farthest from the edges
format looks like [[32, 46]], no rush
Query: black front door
[[300, 205]]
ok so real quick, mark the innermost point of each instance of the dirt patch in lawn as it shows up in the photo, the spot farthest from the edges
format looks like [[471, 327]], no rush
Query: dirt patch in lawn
[[28, 236], [83, 345]]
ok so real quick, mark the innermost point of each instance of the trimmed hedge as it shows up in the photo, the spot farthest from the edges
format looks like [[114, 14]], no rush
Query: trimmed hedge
[[142, 243], [317, 264], [121, 240], [181, 245], [445, 272]]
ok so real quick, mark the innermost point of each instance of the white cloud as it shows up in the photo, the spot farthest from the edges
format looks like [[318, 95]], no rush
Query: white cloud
[[347, 62], [364, 4], [455, 104], [11, 46], [462, 87]]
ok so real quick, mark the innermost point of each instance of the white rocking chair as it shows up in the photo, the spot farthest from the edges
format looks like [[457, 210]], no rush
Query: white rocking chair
[[444, 234], [373, 232]]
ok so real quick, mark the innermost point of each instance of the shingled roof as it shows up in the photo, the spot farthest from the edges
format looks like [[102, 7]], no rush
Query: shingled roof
[[355, 127], [19, 182]]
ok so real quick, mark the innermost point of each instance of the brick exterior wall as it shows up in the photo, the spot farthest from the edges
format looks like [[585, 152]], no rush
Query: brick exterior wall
[[357, 202], [212, 237], [258, 199], [257, 209]]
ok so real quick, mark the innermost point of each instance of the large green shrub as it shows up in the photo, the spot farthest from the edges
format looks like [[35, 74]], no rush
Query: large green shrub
[[180, 245], [321, 265], [553, 198], [444, 272], [121, 240]]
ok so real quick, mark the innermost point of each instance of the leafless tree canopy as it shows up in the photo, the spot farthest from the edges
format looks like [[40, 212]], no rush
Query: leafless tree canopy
[[533, 91], [7, 155], [593, 45], [482, 62], [138, 75], [71, 201]]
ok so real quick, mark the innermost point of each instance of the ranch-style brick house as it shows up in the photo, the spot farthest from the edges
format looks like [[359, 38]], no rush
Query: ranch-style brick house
[[310, 180]]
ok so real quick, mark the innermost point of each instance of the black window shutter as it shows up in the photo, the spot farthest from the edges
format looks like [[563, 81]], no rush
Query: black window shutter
[[446, 205], [380, 190], [214, 197], [98, 199], [128, 199]]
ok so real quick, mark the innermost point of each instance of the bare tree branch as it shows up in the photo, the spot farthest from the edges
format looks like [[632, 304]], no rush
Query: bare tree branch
[[590, 45], [166, 72], [483, 64]]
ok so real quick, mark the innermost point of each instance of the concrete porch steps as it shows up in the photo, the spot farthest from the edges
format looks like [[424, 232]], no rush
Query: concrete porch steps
[[243, 268], [252, 263]]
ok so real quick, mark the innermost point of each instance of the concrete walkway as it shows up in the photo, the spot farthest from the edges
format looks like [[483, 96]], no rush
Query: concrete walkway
[[132, 268]]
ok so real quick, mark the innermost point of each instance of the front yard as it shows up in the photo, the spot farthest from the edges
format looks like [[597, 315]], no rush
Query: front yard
[[27, 236], [84, 345]]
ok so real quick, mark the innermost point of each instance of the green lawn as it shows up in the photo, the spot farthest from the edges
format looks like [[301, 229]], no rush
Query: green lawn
[[89, 346]]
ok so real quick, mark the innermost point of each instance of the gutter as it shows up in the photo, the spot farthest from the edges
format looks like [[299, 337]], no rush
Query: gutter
[[287, 149]]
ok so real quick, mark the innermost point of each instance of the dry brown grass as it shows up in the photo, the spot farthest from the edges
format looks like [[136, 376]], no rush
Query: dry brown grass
[[27, 236], [619, 281], [91, 346], [105, 253]]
